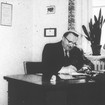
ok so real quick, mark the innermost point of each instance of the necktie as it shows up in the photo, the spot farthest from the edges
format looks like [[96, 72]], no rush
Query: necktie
[[66, 54], [66, 59]]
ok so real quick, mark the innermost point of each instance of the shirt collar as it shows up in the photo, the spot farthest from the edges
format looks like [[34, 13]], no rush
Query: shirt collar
[[65, 53]]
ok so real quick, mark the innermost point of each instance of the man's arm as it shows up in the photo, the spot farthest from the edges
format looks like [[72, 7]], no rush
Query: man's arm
[[46, 61], [79, 60], [50, 61], [87, 64]]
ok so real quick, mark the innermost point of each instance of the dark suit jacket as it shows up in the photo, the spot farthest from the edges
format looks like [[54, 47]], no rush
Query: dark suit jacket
[[53, 58]]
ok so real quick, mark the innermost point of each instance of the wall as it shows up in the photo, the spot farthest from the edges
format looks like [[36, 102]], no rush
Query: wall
[[15, 43], [24, 40], [43, 20]]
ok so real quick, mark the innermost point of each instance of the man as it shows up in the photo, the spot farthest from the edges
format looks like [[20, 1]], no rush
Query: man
[[63, 54]]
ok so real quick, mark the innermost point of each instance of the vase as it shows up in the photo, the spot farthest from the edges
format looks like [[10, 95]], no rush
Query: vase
[[96, 49]]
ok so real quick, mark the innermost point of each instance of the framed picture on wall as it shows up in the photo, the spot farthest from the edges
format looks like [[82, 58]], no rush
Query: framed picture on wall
[[6, 14], [51, 9], [50, 32]]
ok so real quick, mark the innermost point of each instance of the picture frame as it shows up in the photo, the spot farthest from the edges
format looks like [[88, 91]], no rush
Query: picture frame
[[6, 14], [51, 9], [50, 32]]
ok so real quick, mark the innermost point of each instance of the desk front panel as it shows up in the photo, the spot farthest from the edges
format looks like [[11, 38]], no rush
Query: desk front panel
[[26, 93]]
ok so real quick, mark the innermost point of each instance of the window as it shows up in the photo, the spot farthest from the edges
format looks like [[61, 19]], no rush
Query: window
[[96, 5]]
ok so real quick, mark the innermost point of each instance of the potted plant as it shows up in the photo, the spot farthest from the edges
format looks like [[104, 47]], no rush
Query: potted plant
[[93, 34]]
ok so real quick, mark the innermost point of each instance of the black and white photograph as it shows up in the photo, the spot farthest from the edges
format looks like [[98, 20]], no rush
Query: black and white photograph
[[51, 9], [52, 52]]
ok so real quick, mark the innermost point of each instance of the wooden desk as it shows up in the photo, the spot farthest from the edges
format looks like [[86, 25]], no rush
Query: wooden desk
[[30, 90]]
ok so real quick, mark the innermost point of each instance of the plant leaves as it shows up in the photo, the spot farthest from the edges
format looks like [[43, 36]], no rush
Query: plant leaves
[[94, 33], [87, 38], [90, 25], [101, 23], [86, 32], [95, 19], [99, 15]]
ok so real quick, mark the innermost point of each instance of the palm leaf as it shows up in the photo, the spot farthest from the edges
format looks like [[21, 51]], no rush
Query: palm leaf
[[86, 32], [94, 33], [95, 19], [99, 16], [101, 23], [90, 25]]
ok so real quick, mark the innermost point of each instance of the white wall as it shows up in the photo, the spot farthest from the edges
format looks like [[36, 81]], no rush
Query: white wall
[[15, 43], [43, 20], [25, 40]]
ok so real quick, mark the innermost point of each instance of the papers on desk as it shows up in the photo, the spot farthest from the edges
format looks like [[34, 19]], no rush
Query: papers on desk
[[73, 76], [68, 73], [65, 76], [39, 74], [67, 70]]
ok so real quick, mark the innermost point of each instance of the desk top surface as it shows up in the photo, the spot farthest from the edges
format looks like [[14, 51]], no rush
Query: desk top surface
[[37, 79]]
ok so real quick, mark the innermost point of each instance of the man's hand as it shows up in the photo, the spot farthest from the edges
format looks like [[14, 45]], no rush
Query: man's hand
[[85, 69]]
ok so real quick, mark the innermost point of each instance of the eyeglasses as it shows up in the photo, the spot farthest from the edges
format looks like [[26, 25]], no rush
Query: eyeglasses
[[70, 42]]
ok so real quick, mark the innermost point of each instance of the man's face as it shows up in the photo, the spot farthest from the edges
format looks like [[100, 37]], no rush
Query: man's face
[[69, 42]]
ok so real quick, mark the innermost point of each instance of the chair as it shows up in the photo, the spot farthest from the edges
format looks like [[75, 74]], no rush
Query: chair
[[32, 67]]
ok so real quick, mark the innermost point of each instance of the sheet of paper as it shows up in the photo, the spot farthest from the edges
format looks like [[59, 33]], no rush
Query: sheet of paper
[[67, 70]]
